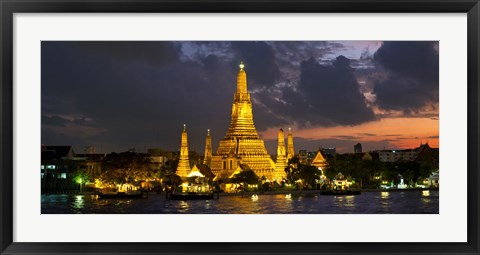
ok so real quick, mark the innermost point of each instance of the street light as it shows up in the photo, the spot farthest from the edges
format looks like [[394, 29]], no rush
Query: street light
[[80, 181]]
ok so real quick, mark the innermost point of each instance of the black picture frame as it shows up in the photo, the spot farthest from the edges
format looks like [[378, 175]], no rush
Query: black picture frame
[[9, 7]]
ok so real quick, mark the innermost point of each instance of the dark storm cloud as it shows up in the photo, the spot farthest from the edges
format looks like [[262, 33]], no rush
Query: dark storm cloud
[[411, 75], [136, 103], [154, 52], [53, 121], [296, 51], [327, 95], [260, 60], [332, 92]]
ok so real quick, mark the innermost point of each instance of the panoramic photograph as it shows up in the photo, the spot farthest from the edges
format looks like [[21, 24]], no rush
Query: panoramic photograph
[[239, 127]]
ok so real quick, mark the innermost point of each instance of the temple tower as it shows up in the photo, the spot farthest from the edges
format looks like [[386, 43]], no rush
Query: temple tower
[[281, 158], [291, 150], [183, 167], [208, 149], [241, 144]]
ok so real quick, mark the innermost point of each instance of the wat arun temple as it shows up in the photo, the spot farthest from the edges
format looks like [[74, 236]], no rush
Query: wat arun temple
[[241, 148]]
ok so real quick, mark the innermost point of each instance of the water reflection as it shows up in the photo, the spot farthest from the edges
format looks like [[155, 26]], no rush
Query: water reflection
[[350, 201], [183, 206], [79, 203], [385, 203], [294, 203]]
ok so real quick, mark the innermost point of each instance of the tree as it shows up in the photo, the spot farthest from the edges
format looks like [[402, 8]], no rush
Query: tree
[[125, 167], [246, 176], [170, 167], [309, 174]]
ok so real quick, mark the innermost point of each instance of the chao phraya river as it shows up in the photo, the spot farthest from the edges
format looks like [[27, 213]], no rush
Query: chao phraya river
[[371, 202]]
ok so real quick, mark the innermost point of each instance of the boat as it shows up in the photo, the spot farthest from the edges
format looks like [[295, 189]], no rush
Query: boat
[[340, 192], [190, 196], [120, 195]]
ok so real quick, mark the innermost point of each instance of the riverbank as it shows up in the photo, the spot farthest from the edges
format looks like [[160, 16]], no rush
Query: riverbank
[[302, 192], [276, 192]]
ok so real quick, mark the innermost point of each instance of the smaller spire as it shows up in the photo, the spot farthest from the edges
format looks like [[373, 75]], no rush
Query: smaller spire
[[208, 131], [289, 130], [184, 127]]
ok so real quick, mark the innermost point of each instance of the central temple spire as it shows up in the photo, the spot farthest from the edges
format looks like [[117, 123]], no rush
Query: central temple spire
[[241, 124], [241, 80], [241, 145]]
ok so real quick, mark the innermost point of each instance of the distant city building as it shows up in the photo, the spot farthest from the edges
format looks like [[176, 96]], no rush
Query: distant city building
[[423, 153], [302, 156], [158, 158], [357, 148], [396, 155], [329, 151], [60, 165]]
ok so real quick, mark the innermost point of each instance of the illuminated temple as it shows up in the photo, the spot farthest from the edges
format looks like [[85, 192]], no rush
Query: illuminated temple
[[242, 146]]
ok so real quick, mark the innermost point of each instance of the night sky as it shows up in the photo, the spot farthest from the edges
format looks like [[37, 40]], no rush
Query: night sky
[[121, 95]]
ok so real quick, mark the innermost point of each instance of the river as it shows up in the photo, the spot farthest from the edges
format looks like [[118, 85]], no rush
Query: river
[[374, 202]]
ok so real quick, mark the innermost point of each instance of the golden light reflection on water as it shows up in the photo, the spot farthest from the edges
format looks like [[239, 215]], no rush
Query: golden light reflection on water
[[207, 204], [183, 206], [426, 197], [385, 204], [350, 201], [79, 202], [345, 201]]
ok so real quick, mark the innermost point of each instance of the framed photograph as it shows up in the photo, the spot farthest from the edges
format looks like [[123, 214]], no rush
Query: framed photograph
[[200, 127]]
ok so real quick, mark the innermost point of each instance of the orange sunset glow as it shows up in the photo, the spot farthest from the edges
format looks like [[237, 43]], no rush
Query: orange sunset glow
[[399, 133]]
